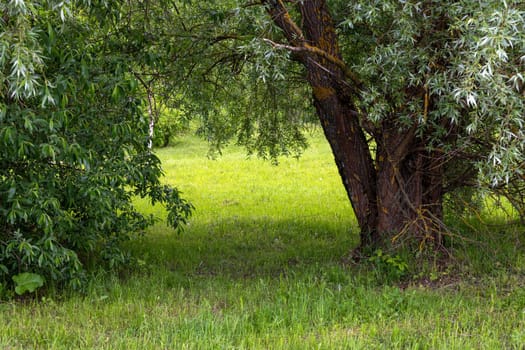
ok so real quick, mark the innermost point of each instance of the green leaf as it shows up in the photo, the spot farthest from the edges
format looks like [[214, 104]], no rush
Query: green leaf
[[117, 93], [28, 125], [48, 151], [8, 134], [27, 282]]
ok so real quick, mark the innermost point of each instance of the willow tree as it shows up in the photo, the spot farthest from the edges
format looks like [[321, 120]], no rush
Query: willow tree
[[414, 97]]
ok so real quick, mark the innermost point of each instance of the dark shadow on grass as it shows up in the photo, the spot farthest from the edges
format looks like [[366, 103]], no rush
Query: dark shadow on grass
[[243, 248], [263, 247]]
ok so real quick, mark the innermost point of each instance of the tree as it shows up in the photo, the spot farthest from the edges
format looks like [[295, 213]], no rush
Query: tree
[[199, 55], [412, 97], [73, 144], [417, 98]]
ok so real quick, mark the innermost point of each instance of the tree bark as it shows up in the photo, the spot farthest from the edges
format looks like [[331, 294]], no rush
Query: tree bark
[[410, 188], [398, 192], [339, 118]]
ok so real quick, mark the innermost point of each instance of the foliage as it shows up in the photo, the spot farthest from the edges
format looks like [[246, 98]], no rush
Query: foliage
[[469, 56], [392, 267], [171, 122], [73, 143], [27, 282], [202, 56]]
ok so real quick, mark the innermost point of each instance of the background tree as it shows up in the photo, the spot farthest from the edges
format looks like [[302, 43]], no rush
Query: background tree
[[201, 57]]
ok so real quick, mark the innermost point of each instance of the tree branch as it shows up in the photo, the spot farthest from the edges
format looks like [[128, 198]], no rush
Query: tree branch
[[319, 52], [281, 17]]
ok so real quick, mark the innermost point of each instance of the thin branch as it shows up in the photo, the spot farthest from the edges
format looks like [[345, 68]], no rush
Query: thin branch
[[178, 14], [319, 52]]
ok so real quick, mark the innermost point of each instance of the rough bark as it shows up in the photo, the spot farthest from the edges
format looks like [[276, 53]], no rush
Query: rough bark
[[400, 191], [410, 189], [339, 119]]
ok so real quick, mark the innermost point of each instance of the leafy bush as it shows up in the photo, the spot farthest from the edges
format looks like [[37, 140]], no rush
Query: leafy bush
[[390, 267], [73, 148], [171, 122]]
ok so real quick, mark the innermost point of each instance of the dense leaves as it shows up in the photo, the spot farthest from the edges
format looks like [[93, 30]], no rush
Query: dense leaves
[[73, 146], [202, 58], [470, 58]]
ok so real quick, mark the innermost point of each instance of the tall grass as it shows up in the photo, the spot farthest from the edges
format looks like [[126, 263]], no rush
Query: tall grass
[[259, 267]]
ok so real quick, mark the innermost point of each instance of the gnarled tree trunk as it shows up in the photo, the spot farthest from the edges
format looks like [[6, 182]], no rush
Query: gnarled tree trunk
[[398, 189]]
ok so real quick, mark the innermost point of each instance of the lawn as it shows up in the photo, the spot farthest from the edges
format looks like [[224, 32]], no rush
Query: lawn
[[260, 266]]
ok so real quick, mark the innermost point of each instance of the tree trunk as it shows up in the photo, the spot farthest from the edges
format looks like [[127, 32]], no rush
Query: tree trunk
[[399, 193], [352, 157], [409, 187]]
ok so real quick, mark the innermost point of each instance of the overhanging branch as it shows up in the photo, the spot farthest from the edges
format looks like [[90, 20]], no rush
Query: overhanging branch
[[306, 48]]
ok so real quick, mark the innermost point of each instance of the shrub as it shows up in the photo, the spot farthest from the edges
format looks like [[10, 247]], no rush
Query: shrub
[[73, 149]]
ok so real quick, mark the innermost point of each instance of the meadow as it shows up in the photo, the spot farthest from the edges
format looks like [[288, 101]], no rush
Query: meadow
[[262, 265]]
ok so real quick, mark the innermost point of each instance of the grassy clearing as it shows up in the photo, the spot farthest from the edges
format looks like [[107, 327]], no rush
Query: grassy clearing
[[259, 268]]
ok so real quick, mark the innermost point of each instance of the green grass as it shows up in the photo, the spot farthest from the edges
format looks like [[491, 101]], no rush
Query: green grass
[[259, 267]]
